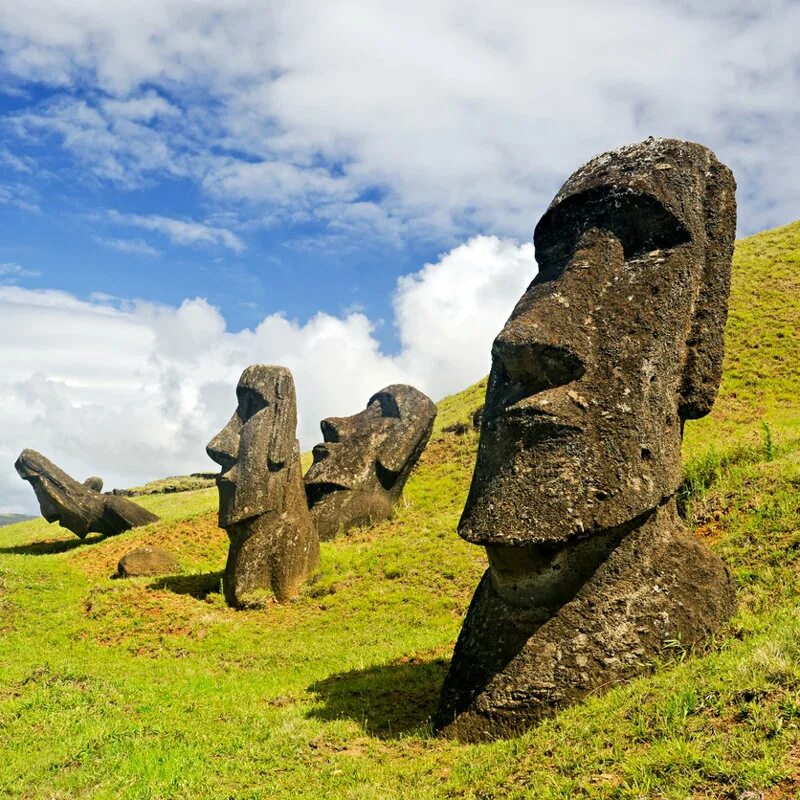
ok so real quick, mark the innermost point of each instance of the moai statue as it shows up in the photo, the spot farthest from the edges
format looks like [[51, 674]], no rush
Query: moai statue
[[95, 483], [361, 467], [262, 504], [614, 345], [78, 507]]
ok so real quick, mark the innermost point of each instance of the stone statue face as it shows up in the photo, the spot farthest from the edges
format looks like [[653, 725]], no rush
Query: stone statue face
[[78, 506], [55, 489], [616, 342], [255, 445], [362, 464]]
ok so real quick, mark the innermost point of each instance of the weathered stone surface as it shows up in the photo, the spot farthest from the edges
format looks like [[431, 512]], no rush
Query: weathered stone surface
[[94, 483], [361, 467], [74, 505], [262, 502], [618, 341], [147, 561]]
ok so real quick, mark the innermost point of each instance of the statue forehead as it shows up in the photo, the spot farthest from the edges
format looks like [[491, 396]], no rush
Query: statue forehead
[[265, 380], [651, 195]]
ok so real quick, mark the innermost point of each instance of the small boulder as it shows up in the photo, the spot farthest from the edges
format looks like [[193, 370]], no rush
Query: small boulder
[[146, 561]]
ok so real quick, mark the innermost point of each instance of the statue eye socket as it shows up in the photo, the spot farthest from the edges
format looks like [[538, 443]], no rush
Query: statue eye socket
[[640, 221], [250, 403], [387, 404]]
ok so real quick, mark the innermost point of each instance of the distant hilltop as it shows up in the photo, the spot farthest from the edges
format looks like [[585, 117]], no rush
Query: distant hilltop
[[10, 519]]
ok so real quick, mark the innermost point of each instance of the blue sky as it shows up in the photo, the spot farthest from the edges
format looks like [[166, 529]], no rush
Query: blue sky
[[89, 234], [348, 189]]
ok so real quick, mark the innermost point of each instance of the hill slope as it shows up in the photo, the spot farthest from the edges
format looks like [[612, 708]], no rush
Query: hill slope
[[153, 688], [13, 519]]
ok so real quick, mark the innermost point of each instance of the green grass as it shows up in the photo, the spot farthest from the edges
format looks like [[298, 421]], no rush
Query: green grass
[[152, 688], [175, 483]]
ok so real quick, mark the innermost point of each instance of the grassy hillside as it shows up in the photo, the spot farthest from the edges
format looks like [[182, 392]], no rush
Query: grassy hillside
[[152, 688]]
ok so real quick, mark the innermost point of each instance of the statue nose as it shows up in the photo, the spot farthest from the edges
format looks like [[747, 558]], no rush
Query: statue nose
[[334, 429], [537, 366], [224, 447]]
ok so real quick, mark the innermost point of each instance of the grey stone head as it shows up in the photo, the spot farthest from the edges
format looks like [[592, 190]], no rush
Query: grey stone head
[[61, 498], [616, 342], [360, 468], [255, 446], [79, 507]]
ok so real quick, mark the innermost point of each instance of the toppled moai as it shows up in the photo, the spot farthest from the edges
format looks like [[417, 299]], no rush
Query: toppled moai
[[262, 502], [78, 506], [364, 461], [614, 345]]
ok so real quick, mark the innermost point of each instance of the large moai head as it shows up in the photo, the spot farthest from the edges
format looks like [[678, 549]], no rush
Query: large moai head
[[262, 504], [254, 447], [364, 461], [616, 342]]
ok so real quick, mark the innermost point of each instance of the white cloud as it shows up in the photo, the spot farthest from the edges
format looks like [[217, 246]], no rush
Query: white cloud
[[10, 272], [465, 116], [133, 391], [121, 149], [449, 312], [135, 247], [19, 196], [181, 231], [16, 163]]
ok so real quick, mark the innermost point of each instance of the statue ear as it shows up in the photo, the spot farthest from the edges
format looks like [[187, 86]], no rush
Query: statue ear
[[395, 453], [283, 443], [706, 343]]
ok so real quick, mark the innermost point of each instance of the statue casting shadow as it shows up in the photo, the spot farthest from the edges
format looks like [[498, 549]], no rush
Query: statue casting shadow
[[387, 700], [49, 547], [198, 586]]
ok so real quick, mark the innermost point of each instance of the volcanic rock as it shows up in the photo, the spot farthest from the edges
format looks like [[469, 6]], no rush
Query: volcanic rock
[[262, 504], [616, 343], [361, 467], [74, 505], [147, 561]]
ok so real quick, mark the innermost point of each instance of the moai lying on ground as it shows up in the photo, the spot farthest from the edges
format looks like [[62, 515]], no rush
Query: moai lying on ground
[[615, 344], [78, 506], [262, 503], [361, 467]]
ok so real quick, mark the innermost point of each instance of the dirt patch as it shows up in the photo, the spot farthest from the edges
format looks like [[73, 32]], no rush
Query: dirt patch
[[712, 532], [190, 541], [144, 620], [789, 787]]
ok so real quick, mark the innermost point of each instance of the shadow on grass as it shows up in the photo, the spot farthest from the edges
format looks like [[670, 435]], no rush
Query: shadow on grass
[[388, 700], [48, 547], [198, 586]]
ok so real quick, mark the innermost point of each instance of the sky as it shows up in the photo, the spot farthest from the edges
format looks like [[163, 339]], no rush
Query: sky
[[347, 189]]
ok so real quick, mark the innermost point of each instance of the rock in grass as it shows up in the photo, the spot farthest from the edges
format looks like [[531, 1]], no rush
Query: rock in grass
[[618, 341], [76, 506], [147, 561], [362, 465]]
